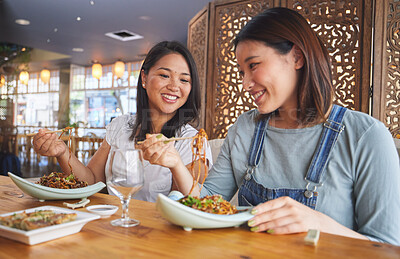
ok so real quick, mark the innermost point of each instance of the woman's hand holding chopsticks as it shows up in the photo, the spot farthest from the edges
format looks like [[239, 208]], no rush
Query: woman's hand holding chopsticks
[[46, 143], [49, 132], [168, 139], [159, 150]]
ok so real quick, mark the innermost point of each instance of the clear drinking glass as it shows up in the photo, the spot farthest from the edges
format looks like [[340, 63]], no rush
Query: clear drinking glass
[[125, 180]]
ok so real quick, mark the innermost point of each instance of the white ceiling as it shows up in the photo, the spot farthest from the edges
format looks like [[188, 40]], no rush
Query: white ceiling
[[54, 27]]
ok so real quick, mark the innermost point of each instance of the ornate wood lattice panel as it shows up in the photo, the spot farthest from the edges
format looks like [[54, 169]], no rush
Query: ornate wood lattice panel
[[230, 99], [345, 27], [197, 43], [387, 65], [340, 25]]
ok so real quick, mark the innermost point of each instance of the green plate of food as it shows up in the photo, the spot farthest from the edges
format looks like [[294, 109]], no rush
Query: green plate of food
[[42, 192]]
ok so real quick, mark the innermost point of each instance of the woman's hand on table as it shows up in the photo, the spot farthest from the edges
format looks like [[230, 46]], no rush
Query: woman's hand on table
[[158, 152], [285, 216], [48, 144]]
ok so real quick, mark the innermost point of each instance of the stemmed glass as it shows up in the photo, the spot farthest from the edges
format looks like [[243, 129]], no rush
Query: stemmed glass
[[125, 179]]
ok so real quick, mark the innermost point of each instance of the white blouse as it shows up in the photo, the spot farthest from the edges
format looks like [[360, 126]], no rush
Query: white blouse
[[157, 179]]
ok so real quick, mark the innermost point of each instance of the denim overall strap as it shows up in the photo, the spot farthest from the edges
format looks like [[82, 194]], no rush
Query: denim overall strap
[[256, 147], [251, 192], [332, 128], [257, 143]]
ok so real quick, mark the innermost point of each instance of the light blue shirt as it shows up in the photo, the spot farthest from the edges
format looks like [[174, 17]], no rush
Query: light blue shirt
[[361, 185]]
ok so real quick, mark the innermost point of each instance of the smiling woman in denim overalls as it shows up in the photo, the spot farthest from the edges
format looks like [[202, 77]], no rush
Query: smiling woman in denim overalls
[[303, 162]]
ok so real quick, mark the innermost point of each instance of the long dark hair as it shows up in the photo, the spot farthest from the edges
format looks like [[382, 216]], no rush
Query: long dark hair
[[281, 28], [189, 112]]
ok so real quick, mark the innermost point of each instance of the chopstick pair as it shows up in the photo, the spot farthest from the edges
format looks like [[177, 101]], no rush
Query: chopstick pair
[[47, 132], [169, 140]]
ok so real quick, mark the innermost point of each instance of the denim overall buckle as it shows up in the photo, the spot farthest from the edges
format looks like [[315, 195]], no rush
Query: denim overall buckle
[[249, 172], [308, 193], [333, 125]]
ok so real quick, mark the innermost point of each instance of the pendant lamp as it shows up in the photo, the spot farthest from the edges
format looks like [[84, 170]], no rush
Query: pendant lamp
[[2, 80], [97, 70], [45, 76], [119, 69], [24, 77]]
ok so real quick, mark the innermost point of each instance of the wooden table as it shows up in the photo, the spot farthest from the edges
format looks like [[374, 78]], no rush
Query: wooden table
[[157, 238]]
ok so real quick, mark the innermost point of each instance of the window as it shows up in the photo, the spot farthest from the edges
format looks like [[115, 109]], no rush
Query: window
[[35, 104], [96, 102]]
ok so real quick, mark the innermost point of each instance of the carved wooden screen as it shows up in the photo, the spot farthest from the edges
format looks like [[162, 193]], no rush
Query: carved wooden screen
[[342, 25], [345, 28], [386, 101], [229, 98], [198, 44]]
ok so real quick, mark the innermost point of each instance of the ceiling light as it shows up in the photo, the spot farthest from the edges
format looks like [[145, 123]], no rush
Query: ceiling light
[[24, 77], [119, 69], [55, 29], [91, 2], [22, 22], [45, 76], [97, 71], [145, 18], [77, 50], [78, 18]]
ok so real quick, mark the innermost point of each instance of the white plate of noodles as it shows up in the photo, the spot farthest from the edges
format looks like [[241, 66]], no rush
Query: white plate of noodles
[[47, 193], [189, 218]]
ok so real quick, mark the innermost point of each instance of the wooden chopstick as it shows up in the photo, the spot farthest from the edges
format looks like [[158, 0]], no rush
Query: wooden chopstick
[[47, 132], [170, 139]]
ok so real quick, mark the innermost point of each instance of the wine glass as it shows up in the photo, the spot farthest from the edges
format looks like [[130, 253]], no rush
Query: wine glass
[[125, 179]]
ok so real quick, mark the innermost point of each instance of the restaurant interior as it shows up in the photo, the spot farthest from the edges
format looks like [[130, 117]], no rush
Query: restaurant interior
[[59, 46], [76, 64]]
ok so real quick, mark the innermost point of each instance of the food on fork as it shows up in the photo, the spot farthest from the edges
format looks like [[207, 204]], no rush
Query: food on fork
[[35, 220], [58, 180]]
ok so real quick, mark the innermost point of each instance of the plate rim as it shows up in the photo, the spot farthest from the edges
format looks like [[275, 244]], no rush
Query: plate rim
[[108, 213]]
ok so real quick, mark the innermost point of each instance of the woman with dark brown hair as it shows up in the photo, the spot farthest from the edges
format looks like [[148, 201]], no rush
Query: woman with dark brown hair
[[303, 162], [168, 100]]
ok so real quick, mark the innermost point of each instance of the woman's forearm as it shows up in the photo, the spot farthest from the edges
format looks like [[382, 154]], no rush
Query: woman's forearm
[[184, 180], [332, 227], [78, 168]]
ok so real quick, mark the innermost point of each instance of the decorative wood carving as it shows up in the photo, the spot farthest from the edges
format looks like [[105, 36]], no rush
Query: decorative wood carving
[[344, 26], [339, 24], [230, 99], [387, 65], [197, 43]]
